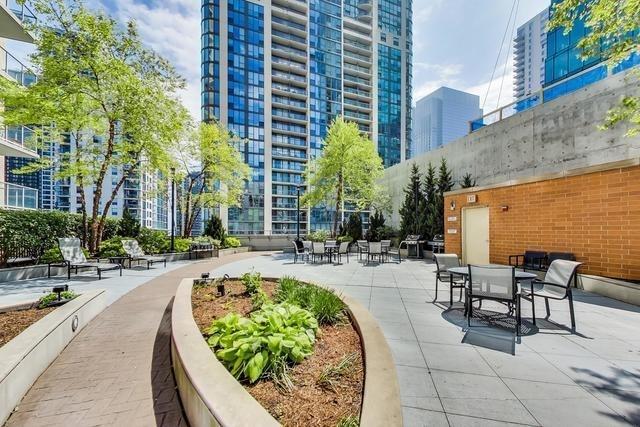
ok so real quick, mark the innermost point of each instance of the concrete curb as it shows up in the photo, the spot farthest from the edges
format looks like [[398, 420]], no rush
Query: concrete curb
[[212, 396], [27, 356]]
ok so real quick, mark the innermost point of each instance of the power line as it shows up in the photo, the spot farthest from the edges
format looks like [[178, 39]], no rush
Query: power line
[[506, 62]]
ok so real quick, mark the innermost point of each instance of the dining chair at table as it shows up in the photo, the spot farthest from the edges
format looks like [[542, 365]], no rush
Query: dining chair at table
[[343, 250], [317, 250], [494, 283], [363, 248], [556, 285], [443, 263], [386, 245], [307, 248], [298, 251], [375, 250]]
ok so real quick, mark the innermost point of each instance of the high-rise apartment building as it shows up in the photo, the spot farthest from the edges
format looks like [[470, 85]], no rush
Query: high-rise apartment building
[[13, 146], [441, 117], [530, 50], [278, 72]]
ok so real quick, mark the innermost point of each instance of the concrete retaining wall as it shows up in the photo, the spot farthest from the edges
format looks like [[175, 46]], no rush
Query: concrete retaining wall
[[554, 137], [27, 356], [267, 243], [212, 397]]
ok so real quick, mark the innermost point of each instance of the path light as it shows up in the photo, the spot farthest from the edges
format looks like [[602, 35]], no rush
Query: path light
[[220, 286], [59, 290]]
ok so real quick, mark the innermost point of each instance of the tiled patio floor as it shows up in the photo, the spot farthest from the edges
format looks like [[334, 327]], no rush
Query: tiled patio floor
[[452, 375]]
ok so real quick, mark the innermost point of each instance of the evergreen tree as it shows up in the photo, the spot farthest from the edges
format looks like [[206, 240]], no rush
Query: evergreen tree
[[430, 189], [353, 227], [468, 181], [445, 183], [129, 225], [215, 229], [413, 210], [376, 224]]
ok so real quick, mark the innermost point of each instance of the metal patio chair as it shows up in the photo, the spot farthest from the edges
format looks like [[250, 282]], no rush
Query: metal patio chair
[[556, 285], [375, 250], [363, 248], [343, 250], [317, 250], [443, 263], [495, 283], [298, 251], [135, 253]]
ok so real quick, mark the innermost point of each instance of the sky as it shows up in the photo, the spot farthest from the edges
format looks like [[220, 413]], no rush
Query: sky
[[456, 42]]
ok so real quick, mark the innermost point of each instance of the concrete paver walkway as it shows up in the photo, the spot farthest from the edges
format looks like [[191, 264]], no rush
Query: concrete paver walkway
[[117, 371]]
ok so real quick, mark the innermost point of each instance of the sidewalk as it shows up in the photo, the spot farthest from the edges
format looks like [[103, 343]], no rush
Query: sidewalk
[[117, 371]]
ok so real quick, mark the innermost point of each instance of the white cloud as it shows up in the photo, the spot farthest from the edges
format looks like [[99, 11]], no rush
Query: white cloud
[[173, 30], [439, 75], [496, 97]]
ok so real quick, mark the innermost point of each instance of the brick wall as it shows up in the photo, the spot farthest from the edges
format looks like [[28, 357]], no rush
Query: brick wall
[[595, 215]]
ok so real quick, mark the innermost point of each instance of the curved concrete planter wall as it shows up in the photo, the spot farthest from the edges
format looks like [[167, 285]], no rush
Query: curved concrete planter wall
[[25, 358], [211, 396]]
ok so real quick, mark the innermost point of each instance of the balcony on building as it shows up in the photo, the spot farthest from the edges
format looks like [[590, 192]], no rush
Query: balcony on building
[[14, 196], [13, 16]]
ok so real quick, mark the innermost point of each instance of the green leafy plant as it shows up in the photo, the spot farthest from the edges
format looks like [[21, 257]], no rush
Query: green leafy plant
[[179, 245], [319, 236], [259, 298], [215, 229], [325, 305], [249, 347], [332, 373], [231, 242], [48, 299], [343, 239], [128, 225], [153, 241], [349, 421], [252, 281], [112, 247]]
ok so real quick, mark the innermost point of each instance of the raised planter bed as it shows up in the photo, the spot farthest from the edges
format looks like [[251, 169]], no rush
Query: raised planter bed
[[211, 396], [24, 358], [231, 251]]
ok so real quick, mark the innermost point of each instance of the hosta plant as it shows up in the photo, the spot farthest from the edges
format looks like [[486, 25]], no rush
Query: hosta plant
[[249, 347]]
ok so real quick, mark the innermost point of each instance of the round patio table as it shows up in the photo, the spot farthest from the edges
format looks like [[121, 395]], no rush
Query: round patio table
[[464, 271]]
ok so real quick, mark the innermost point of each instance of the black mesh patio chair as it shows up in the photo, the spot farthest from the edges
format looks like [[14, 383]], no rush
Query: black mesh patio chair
[[298, 251], [532, 260], [455, 281], [317, 250], [375, 251], [73, 257], [495, 283], [556, 285], [363, 248], [386, 245], [135, 253], [343, 250]]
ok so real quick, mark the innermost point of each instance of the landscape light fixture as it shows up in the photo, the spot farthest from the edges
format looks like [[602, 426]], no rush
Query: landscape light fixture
[[220, 286], [59, 290]]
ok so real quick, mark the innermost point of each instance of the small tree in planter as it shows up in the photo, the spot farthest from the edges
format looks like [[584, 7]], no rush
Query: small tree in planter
[[413, 210], [353, 227], [128, 226], [215, 229], [468, 181]]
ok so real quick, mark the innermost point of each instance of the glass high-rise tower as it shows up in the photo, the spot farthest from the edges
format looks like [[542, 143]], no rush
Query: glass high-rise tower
[[278, 72]]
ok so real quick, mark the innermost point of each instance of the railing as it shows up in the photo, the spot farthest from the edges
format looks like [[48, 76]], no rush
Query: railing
[[548, 93], [14, 196], [16, 69], [18, 135], [22, 11]]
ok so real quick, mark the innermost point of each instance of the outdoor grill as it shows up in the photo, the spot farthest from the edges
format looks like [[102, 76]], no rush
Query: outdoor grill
[[412, 241]]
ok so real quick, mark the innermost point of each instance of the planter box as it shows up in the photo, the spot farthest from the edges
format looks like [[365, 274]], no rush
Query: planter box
[[211, 396], [231, 251], [27, 356]]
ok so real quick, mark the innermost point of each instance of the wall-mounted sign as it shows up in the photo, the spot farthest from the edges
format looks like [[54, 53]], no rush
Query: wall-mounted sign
[[471, 198], [452, 218], [452, 231]]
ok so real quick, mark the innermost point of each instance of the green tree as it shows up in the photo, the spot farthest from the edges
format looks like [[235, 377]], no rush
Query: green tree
[[215, 229], [353, 227], [612, 33], [430, 190], [468, 181], [346, 172], [413, 210], [129, 225], [220, 175], [445, 183], [99, 85]]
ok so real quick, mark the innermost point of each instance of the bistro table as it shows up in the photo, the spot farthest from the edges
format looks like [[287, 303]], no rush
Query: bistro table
[[464, 272], [330, 248]]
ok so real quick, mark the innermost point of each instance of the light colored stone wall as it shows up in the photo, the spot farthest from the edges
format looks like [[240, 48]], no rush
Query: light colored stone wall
[[557, 136]]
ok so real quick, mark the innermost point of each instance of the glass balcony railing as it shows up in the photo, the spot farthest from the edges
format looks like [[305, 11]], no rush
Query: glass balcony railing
[[22, 11], [14, 196], [15, 69], [17, 135]]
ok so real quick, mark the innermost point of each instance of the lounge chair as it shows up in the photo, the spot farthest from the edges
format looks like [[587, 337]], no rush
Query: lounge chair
[[135, 253], [556, 285], [73, 257]]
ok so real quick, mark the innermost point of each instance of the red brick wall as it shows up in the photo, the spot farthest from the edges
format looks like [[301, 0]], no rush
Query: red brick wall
[[596, 216]]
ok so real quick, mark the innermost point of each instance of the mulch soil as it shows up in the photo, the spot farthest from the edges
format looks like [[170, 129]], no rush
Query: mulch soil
[[310, 403], [14, 322]]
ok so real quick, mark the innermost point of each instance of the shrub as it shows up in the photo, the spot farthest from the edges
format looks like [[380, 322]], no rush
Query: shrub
[[153, 241], [325, 305], [231, 242], [128, 225], [318, 236], [347, 239], [46, 300], [112, 247], [252, 281], [250, 347], [179, 244], [215, 229]]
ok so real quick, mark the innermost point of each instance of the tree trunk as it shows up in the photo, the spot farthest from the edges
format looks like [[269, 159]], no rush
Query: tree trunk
[[83, 194], [338, 203], [107, 206], [94, 241]]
